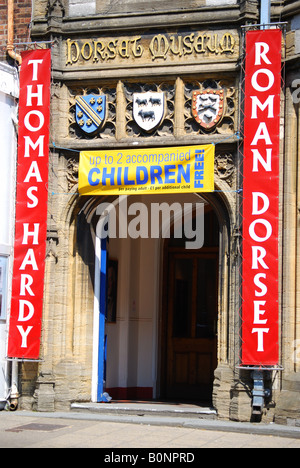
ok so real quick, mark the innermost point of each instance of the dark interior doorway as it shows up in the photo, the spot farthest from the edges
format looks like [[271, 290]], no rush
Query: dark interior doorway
[[190, 315]]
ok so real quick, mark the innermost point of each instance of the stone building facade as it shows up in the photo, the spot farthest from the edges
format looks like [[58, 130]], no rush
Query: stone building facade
[[118, 49]]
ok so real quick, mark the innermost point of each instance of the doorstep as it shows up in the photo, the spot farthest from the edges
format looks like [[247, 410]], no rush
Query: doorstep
[[133, 408]]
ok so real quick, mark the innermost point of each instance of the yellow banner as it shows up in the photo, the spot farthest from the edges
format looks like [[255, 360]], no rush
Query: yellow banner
[[147, 171]]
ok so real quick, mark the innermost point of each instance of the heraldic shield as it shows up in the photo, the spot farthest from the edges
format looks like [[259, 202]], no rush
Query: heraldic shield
[[148, 109], [90, 112], [208, 107]]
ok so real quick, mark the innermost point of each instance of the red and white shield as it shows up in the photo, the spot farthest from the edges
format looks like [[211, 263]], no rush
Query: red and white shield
[[208, 107]]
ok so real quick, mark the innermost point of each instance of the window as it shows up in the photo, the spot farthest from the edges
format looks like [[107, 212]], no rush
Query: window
[[3, 286]]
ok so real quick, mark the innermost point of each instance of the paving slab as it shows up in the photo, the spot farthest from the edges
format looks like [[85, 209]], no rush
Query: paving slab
[[130, 435]]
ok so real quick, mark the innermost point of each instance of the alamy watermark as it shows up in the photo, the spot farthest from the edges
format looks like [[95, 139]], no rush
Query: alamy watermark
[[156, 220], [295, 357], [296, 92]]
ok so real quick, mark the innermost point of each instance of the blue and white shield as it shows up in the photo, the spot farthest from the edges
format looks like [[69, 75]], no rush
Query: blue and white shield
[[90, 112]]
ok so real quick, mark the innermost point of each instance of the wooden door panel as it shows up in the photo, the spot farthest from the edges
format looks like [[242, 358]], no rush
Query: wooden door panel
[[204, 369], [181, 368], [191, 349], [191, 369]]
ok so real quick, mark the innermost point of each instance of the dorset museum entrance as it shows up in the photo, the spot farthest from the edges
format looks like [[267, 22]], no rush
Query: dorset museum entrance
[[162, 340], [191, 314]]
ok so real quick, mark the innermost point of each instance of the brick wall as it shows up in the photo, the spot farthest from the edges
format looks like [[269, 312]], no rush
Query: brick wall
[[22, 18]]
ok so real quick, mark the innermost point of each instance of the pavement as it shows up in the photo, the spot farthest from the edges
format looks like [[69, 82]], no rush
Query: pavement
[[142, 435]]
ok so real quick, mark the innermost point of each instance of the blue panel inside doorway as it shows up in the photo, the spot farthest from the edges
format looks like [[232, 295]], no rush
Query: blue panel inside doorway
[[102, 317]]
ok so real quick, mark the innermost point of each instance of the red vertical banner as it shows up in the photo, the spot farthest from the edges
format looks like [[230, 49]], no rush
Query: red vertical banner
[[31, 206], [260, 331]]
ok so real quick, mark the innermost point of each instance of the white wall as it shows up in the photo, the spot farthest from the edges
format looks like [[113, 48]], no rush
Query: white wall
[[8, 146], [131, 360]]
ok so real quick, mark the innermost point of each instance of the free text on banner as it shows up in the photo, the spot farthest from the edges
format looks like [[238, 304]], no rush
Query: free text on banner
[[31, 206], [147, 171], [260, 331]]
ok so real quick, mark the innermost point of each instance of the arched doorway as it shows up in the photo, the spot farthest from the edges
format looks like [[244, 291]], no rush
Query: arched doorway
[[163, 343], [190, 315]]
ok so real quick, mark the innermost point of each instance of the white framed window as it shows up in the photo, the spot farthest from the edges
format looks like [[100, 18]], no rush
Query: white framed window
[[3, 286]]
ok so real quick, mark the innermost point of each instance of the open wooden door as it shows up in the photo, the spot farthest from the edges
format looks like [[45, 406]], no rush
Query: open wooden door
[[192, 325]]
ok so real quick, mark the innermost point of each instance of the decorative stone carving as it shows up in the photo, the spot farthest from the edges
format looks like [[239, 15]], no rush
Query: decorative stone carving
[[55, 8], [227, 123], [180, 118], [72, 173], [225, 168], [108, 131], [166, 127], [52, 241]]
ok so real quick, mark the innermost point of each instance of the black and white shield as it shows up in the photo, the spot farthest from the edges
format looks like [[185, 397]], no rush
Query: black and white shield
[[148, 109]]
